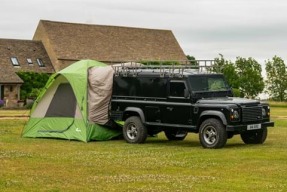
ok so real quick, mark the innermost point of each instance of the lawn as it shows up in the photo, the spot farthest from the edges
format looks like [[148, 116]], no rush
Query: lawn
[[158, 165], [14, 113]]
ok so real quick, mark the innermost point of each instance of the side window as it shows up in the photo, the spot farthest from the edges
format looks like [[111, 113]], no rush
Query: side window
[[177, 89]]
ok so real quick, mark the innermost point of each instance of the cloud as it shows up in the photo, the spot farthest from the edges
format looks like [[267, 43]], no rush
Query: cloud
[[203, 28]]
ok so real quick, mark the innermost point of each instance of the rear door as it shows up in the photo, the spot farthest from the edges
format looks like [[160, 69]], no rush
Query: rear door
[[178, 107]]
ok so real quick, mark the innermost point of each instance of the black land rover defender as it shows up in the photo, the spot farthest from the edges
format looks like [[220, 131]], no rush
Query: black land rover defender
[[180, 99]]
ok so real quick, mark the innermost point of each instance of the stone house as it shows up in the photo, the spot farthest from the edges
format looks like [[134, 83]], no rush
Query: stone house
[[56, 45], [67, 43], [16, 56]]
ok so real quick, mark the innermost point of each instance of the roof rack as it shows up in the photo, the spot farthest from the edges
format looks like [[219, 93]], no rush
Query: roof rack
[[164, 68]]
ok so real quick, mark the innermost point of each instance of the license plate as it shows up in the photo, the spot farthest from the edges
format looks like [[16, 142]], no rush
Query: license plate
[[254, 126]]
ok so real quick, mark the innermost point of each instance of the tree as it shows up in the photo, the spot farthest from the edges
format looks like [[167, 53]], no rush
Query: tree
[[191, 59], [228, 69], [219, 64], [249, 76], [276, 83]]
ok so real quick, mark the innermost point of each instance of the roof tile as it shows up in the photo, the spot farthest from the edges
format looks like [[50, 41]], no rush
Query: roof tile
[[74, 41], [22, 50]]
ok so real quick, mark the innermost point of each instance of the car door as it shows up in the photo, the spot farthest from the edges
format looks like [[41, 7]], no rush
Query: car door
[[178, 106]]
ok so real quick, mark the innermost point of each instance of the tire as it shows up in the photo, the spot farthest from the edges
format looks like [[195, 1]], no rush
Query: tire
[[212, 134], [175, 135], [254, 137], [134, 130]]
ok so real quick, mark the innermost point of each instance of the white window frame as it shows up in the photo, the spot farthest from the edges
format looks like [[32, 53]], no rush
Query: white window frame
[[40, 62], [29, 61], [15, 61]]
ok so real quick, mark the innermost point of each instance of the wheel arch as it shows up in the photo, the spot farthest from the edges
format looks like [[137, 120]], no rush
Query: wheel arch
[[212, 114], [134, 111]]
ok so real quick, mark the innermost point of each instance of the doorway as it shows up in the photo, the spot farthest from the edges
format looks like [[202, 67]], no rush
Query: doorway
[[1, 92]]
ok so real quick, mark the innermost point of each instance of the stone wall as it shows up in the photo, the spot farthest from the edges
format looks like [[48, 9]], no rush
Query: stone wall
[[11, 95]]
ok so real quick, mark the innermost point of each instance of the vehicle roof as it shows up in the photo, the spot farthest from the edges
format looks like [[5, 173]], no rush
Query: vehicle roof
[[166, 73]]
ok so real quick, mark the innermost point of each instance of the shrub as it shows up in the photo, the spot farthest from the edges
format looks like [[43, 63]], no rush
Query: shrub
[[159, 62], [236, 93], [33, 83], [34, 93]]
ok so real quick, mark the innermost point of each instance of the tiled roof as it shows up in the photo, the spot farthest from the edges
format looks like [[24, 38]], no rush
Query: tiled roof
[[22, 50], [8, 75], [107, 43]]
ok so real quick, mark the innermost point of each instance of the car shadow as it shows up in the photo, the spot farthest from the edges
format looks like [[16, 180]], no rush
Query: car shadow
[[189, 143]]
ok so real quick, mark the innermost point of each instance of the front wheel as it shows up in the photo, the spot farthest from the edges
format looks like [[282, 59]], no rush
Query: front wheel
[[254, 137], [134, 130], [212, 134]]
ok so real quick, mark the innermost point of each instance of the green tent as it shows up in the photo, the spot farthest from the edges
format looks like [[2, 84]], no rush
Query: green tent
[[69, 107]]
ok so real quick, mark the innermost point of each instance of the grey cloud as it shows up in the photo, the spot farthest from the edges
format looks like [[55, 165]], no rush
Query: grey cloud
[[203, 28]]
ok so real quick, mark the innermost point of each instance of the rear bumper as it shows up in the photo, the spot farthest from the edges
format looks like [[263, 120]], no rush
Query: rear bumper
[[240, 128]]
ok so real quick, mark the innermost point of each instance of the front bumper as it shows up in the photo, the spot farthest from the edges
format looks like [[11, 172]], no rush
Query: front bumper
[[240, 128]]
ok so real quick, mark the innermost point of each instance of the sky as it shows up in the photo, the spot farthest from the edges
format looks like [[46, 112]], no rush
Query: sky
[[203, 28]]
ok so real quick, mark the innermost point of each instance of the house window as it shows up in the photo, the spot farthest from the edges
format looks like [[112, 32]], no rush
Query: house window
[[14, 61], [40, 63], [29, 61]]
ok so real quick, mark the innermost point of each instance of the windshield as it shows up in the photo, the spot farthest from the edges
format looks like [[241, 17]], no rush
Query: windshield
[[208, 83]]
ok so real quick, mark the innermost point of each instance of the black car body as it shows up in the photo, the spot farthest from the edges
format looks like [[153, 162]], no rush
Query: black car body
[[151, 101]]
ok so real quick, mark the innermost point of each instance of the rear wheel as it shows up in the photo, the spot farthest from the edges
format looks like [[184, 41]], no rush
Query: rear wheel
[[212, 134], [175, 135], [134, 130], [254, 137]]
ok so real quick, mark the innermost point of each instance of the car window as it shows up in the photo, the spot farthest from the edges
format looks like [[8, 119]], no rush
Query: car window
[[208, 83], [177, 89]]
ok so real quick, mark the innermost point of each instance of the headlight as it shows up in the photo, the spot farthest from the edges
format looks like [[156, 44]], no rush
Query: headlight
[[234, 115], [264, 113]]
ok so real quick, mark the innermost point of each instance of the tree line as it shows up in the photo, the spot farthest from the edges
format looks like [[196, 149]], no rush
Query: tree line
[[245, 76]]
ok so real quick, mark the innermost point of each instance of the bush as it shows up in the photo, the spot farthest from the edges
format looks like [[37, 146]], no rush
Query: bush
[[34, 93], [159, 62], [236, 92], [33, 83]]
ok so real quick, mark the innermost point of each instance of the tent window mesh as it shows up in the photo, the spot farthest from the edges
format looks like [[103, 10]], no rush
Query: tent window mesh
[[63, 103]]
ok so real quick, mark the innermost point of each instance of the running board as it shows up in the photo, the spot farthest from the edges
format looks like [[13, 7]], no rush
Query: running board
[[190, 127]]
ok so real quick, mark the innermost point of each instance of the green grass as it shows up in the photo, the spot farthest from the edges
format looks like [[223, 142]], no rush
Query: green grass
[[158, 165], [278, 104], [13, 113]]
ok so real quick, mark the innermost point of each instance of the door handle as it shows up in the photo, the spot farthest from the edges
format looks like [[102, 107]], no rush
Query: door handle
[[169, 108]]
